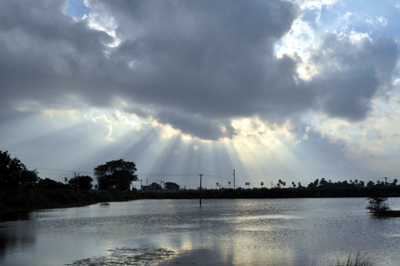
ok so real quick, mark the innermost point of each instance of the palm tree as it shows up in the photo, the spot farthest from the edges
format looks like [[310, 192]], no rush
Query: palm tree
[[229, 183], [262, 183], [217, 185]]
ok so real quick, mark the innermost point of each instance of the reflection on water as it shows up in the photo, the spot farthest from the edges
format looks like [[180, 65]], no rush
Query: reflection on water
[[15, 216], [221, 232], [17, 236]]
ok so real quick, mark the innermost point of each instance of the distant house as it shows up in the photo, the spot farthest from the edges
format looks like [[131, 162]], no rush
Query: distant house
[[154, 187]]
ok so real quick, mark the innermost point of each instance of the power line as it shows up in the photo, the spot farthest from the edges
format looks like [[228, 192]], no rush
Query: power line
[[224, 175], [57, 170]]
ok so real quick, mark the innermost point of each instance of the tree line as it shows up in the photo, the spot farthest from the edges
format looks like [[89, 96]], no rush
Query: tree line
[[113, 175], [119, 174], [323, 183]]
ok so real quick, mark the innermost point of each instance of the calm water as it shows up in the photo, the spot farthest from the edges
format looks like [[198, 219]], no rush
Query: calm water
[[221, 232]]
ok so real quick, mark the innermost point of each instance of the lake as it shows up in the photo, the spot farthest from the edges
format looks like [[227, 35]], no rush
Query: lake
[[290, 232]]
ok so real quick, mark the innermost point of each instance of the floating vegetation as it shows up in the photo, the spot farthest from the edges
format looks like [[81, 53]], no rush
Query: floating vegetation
[[128, 256], [353, 260]]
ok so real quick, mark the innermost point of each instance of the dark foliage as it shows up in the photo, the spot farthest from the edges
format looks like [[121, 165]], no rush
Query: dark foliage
[[48, 183], [154, 186], [14, 174], [80, 183], [377, 205], [171, 186], [117, 174]]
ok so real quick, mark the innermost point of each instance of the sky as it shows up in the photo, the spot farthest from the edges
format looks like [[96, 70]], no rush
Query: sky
[[293, 90]]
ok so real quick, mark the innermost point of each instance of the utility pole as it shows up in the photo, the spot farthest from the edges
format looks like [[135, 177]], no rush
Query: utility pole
[[141, 183], [234, 187], [200, 188], [77, 179]]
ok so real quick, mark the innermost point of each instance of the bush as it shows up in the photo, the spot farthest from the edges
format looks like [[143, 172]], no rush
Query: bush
[[377, 205]]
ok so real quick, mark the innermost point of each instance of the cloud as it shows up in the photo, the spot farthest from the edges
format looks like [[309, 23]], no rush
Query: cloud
[[351, 71], [195, 66], [370, 144], [315, 4], [377, 21]]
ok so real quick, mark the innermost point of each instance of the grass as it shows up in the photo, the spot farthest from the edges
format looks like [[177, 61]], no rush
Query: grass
[[353, 260]]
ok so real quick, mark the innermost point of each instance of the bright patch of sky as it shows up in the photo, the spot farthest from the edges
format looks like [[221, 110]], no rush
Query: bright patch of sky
[[77, 9], [375, 18]]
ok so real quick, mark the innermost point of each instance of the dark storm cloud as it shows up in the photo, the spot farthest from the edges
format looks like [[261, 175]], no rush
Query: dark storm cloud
[[350, 75], [203, 57], [196, 64], [45, 55], [208, 129]]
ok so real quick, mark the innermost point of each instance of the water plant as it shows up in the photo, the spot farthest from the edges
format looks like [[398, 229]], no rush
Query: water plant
[[353, 260], [377, 205]]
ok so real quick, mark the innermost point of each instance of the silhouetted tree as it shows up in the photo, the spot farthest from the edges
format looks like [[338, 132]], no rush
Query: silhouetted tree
[[229, 183], [122, 179], [80, 183], [323, 182], [117, 174], [154, 186], [14, 174], [384, 183], [313, 184], [48, 183], [28, 179], [281, 183], [171, 186]]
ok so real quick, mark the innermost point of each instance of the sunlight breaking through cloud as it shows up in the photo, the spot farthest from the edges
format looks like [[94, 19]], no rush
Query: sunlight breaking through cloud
[[191, 87]]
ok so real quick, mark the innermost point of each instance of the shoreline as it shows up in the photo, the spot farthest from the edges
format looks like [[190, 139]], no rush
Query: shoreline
[[39, 199]]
